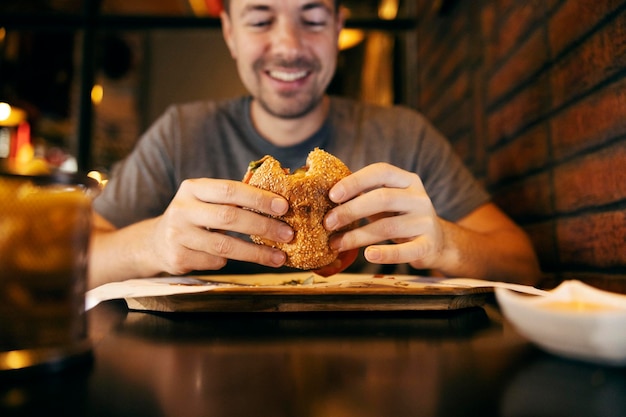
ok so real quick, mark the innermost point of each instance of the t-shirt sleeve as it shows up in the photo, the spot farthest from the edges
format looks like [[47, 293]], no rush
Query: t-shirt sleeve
[[365, 134], [453, 189], [142, 185]]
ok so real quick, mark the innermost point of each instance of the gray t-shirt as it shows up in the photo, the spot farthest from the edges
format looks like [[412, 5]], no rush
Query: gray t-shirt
[[218, 140]]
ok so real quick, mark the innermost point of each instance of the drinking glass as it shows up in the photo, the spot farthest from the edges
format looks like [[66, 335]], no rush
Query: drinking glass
[[45, 224]]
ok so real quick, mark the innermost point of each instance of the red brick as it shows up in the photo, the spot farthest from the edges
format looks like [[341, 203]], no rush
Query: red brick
[[542, 236], [436, 76], [593, 240], [524, 108], [457, 122], [463, 146], [409, 91], [525, 62], [426, 44], [480, 133], [423, 7], [504, 6], [527, 152], [444, 38], [490, 24], [590, 122], [551, 4], [608, 282], [458, 55], [597, 59], [515, 25], [488, 21], [549, 280], [553, 144], [530, 197], [450, 96], [574, 18], [593, 180]]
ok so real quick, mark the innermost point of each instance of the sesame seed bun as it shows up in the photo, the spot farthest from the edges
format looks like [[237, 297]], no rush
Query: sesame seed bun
[[306, 190]]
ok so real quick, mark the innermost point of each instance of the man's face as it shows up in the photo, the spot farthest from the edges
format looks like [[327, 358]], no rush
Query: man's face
[[286, 51]]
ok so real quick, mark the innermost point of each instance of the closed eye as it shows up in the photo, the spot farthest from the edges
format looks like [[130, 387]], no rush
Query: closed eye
[[257, 16], [316, 15], [313, 23], [260, 23]]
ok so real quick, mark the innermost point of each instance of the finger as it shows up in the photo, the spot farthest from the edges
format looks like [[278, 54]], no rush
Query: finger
[[235, 193], [204, 246], [235, 219], [371, 177], [417, 250], [382, 200], [186, 260], [397, 228], [231, 247], [180, 251]]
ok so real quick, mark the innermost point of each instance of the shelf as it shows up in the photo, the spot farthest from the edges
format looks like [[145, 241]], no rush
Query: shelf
[[73, 22]]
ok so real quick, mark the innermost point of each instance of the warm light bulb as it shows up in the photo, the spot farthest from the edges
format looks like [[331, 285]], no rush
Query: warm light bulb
[[388, 9], [5, 111], [11, 116], [95, 175], [98, 176], [350, 37], [17, 359], [97, 93]]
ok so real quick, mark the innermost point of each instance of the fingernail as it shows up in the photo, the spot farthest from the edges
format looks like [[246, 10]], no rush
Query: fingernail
[[335, 244], [278, 258], [331, 221], [336, 193], [279, 206], [372, 254], [285, 233]]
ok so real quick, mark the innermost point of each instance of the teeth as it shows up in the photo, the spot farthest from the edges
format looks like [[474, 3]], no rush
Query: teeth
[[287, 76]]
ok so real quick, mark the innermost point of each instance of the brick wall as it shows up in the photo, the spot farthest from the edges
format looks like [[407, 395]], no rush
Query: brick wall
[[532, 93]]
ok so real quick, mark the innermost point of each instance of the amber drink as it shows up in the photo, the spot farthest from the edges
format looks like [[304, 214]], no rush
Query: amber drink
[[44, 235]]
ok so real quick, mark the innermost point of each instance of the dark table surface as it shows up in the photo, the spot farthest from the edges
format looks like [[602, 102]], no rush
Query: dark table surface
[[468, 362]]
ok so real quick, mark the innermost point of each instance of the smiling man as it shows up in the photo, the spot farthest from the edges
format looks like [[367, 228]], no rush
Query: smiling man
[[286, 54], [176, 204]]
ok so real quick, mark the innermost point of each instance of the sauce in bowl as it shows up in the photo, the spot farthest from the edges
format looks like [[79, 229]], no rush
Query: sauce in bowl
[[579, 306]]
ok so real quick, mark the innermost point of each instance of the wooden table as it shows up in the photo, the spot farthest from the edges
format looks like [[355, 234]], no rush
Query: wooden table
[[468, 362]]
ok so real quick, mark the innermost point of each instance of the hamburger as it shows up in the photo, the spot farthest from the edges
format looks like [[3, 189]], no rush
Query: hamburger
[[306, 190]]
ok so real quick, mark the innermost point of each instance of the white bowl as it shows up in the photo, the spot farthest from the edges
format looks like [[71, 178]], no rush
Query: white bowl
[[574, 320]]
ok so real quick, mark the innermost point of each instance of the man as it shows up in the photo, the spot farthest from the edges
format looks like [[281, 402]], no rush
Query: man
[[176, 204]]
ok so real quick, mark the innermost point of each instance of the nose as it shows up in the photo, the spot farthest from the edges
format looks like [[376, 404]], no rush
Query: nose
[[287, 39]]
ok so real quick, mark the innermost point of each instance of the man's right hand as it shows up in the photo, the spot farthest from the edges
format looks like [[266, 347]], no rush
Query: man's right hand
[[190, 234]]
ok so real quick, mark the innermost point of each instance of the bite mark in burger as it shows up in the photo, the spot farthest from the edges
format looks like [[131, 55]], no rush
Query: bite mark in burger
[[306, 190]]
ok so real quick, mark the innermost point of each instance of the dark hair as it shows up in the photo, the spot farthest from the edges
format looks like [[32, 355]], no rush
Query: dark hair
[[226, 5]]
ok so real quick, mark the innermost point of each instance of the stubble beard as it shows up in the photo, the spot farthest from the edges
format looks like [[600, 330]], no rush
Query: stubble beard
[[292, 109], [289, 104]]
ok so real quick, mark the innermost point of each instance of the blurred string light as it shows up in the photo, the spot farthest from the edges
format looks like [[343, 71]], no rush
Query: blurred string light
[[388, 9], [97, 93], [349, 38], [15, 142], [5, 111], [3, 34], [17, 359], [204, 8], [98, 176], [11, 116]]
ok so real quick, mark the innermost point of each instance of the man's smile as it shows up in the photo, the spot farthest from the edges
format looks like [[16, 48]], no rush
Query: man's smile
[[287, 76]]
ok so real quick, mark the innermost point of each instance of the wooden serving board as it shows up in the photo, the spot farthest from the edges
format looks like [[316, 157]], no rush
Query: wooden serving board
[[356, 296]]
